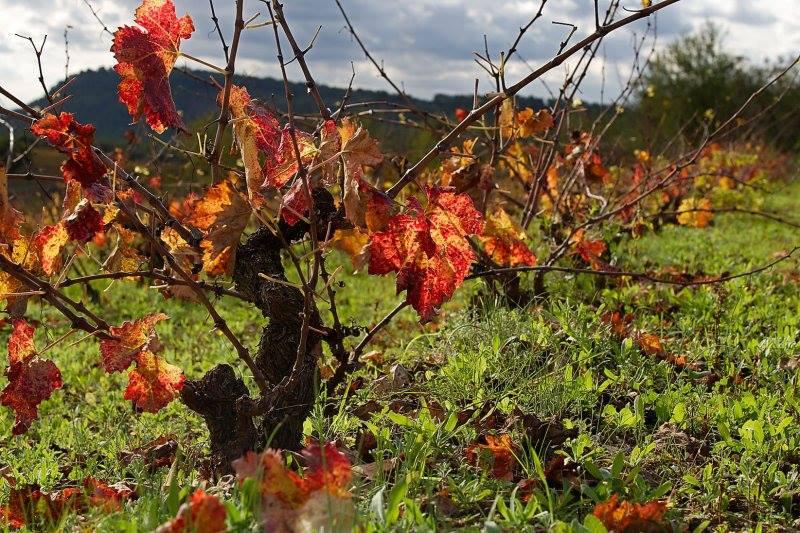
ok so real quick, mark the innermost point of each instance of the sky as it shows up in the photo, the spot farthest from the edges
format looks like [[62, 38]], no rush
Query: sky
[[425, 45]]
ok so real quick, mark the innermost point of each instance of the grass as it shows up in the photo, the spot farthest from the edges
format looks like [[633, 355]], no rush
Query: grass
[[719, 440]]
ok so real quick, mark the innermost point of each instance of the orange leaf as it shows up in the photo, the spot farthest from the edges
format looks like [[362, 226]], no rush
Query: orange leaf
[[593, 168], [64, 132], [185, 255], [532, 123], [21, 253], [619, 323], [145, 57], [48, 243], [20, 342], [626, 517], [590, 250], [497, 452], [650, 344], [275, 479], [153, 383], [428, 248], [503, 240], [352, 242], [222, 214], [29, 501], [202, 513], [134, 337], [326, 468], [508, 126], [458, 169]]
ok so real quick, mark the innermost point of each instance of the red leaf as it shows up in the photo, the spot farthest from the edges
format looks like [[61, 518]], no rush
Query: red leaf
[[29, 501], [379, 209], [75, 140], [626, 517], [153, 383], [295, 203], [202, 513], [134, 337], [590, 250], [428, 248], [64, 132], [326, 468], [254, 129], [83, 223], [145, 57], [30, 380], [282, 166], [14, 513], [107, 497]]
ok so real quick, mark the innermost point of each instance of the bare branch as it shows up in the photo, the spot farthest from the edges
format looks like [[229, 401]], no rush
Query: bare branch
[[498, 99]]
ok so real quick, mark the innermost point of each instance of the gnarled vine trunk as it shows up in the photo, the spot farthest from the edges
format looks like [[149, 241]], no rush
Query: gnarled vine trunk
[[214, 396]]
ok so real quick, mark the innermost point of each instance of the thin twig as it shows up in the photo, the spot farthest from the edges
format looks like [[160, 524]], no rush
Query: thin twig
[[498, 99], [636, 275], [224, 114]]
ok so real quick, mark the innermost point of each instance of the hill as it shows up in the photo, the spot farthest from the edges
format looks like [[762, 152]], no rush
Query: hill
[[94, 98]]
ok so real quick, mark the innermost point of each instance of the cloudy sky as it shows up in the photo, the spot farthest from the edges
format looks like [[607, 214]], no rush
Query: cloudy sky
[[426, 45]]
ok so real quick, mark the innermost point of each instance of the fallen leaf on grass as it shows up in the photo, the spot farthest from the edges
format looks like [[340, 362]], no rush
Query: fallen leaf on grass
[[27, 503], [377, 469], [293, 503], [626, 517], [495, 452], [155, 454], [398, 379], [202, 513]]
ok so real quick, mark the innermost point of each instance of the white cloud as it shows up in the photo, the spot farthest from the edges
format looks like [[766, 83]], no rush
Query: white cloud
[[426, 44]]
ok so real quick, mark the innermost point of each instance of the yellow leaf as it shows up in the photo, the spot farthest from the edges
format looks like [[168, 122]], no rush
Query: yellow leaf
[[351, 242], [695, 212], [358, 149]]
